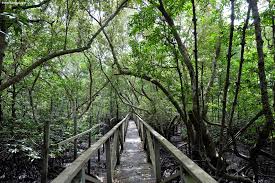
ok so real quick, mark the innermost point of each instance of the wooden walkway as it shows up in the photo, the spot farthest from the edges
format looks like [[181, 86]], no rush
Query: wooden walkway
[[133, 166]]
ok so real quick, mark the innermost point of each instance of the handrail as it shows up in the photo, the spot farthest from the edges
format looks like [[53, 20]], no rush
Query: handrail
[[77, 167], [75, 136], [193, 173]]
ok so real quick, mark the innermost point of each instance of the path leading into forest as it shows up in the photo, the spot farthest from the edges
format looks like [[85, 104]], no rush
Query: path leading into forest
[[133, 166]]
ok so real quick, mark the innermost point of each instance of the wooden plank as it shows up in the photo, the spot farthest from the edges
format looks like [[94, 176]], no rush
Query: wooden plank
[[75, 128], [122, 131], [83, 180], [70, 172], [44, 173], [172, 177], [90, 142], [121, 137], [114, 150], [92, 179], [157, 160], [142, 132], [151, 149], [108, 161], [80, 177], [75, 136], [117, 149], [198, 174]]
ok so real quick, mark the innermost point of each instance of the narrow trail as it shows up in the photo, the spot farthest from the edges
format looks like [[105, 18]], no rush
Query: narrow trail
[[133, 166]]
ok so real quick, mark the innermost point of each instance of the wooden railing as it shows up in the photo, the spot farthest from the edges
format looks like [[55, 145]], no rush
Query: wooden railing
[[189, 171], [113, 141]]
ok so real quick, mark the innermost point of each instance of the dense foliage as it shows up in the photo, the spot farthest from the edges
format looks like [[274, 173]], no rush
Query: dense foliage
[[79, 63]]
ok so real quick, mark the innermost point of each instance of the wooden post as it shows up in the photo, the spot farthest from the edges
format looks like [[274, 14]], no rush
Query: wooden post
[[80, 177], [142, 132], [83, 180], [117, 149], [44, 173], [123, 130], [75, 130], [144, 139], [90, 143], [98, 155], [108, 161], [121, 136], [157, 160]]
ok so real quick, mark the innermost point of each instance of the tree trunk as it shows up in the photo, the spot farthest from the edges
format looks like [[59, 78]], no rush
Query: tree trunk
[[211, 80], [268, 126], [226, 85], [46, 142], [264, 133], [238, 83], [273, 40], [3, 45]]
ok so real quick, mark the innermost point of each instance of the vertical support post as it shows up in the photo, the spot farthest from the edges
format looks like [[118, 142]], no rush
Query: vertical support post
[[90, 143], [80, 177], [44, 173], [83, 180], [75, 130], [121, 136], [157, 160], [144, 139], [142, 132], [117, 149], [98, 155], [181, 174], [123, 130], [108, 161]]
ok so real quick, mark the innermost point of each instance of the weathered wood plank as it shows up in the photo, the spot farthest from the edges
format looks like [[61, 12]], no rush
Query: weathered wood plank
[[108, 161], [157, 160], [197, 173], [151, 149], [44, 173], [142, 131], [114, 150]]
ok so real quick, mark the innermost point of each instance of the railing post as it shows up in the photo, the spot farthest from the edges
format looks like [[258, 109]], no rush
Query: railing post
[[75, 129], [123, 130], [142, 132], [117, 149], [90, 143], [108, 161], [98, 155], [121, 136], [83, 180], [80, 177], [44, 173], [157, 160]]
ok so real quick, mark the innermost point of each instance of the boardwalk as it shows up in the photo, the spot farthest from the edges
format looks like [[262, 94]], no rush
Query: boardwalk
[[133, 167]]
